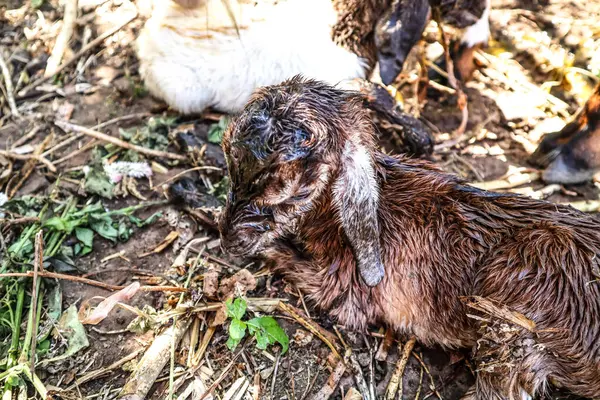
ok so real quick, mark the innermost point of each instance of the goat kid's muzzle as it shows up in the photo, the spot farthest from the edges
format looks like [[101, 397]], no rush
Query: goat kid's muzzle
[[244, 234]]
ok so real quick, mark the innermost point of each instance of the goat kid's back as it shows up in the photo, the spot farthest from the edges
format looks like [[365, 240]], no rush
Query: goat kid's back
[[377, 239]]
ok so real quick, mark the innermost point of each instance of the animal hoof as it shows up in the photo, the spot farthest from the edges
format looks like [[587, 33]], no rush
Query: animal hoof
[[565, 171]]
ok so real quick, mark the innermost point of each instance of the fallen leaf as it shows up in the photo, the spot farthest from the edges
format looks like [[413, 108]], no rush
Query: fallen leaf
[[163, 244], [71, 329], [106, 306], [238, 285]]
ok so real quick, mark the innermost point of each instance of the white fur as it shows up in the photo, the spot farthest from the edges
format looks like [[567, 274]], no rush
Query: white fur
[[479, 32], [360, 175], [194, 59], [524, 394]]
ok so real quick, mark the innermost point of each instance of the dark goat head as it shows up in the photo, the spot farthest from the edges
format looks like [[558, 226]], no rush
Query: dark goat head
[[293, 142], [397, 33]]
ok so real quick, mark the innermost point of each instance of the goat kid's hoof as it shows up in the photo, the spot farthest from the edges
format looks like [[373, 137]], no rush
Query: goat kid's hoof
[[562, 171]]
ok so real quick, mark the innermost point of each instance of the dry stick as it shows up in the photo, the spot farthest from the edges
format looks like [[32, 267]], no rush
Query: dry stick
[[332, 382], [85, 148], [433, 388], [462, 97], [30, 165], [171, 179], [100, 372], [210, 331], [37, 266], [154, 360], [62, 41], [46, 274], [9, 86], [223, 375], [23, 139], [508, 182], [321, 333], [39, 158], [67, 126], [386, 343], [76, 56], [275, 374], [585, 205], [99, 126], [394, 384]]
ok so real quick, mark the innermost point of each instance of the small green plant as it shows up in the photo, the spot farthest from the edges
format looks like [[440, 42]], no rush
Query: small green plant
[[216, 130], [265, 329]]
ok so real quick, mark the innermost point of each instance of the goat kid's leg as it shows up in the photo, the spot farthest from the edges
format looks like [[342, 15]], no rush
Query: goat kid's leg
[[462, 52], [405, 133], [573, 154]]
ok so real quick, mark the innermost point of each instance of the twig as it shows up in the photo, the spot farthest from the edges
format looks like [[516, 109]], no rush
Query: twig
[[76, 56], [23, 139], [386, 343], [100, 372], [332, 382], [462, 97], [585, 205], [321, 333], [210, 331], [153, 361], [37, 266], [396, 379], [26, 157], [509, 182], [223, 374], [256, 387], [18, 221], [9, 86], [99, 126], [67, 126], [275, 370], [29, 166], [171, 179], [46, 274], [433, 389], [62, 41], [85, 148]]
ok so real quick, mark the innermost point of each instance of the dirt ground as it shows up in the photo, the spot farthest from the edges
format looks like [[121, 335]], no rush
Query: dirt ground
[[530, 83]]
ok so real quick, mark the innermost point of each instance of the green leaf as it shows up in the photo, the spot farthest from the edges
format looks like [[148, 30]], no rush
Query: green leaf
[[56, 223], [85, 236], [237, 331], [143, 222], [37, 3], [105, 229], [21, 248], [215, 131], [237, 309], [97, 182], [71, 329], [267, 331]]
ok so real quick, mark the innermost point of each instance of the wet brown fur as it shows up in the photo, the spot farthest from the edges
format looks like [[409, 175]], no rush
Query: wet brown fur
[[442, 241]]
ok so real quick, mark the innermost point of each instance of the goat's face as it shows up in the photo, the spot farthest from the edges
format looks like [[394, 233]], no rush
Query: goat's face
[[279, 154], [291, 143]]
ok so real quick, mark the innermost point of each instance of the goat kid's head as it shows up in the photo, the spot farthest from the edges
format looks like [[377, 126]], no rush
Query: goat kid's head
[[400, 28], [292, 144]]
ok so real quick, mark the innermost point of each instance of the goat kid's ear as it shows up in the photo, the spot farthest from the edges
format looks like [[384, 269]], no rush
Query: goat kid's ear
[[397, 33], [356, 197]]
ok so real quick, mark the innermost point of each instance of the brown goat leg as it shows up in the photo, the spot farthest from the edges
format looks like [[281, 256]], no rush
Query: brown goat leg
[[552, 143], [573, 154], [464, 61], [405, 133]]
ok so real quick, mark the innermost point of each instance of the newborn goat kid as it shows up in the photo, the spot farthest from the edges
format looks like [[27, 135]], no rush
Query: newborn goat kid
[[311, 193]]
